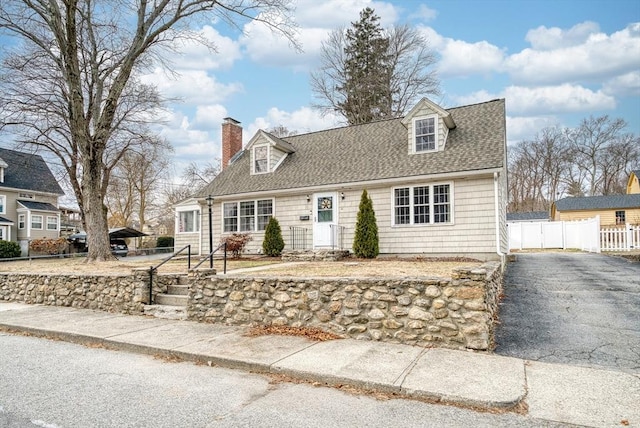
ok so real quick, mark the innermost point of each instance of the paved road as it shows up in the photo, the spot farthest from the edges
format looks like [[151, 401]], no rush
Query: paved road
[[54, 384], [572, 308]]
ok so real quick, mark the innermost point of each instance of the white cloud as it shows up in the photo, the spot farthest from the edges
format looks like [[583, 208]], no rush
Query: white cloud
[[598, 56], [209, 116], [543, 38], [191, 86], [460, 59], [303, 120], [331, 14], [521, 128], [424, 13], [626, 85], [212, 52], [544, 100]]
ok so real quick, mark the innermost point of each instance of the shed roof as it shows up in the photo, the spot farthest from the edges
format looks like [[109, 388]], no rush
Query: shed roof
[[598, 202]]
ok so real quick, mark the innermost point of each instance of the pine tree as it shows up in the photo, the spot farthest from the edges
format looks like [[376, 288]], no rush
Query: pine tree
[[273, 243], [365, 241], [367, 70]]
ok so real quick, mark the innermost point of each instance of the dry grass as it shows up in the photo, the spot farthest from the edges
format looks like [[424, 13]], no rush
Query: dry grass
[[119, 267], [416, 267], [366, 268]]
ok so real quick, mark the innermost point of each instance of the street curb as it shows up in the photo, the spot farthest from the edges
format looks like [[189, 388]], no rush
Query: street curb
[[266, 369]]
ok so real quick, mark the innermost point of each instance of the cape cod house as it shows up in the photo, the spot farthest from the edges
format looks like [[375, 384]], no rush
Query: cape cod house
[[437, 179], [28, 198]]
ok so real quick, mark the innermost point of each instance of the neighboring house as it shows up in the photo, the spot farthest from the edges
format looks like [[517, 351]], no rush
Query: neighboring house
[[612, 209], [28, 198], [535, 216], [437, 179], [633, 185]]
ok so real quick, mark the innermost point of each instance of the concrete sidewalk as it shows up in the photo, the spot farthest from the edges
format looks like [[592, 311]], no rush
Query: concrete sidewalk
[[561, 393]]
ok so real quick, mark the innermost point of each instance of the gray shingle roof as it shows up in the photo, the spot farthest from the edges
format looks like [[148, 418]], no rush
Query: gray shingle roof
[[531, 215], [374, 151], [598, 202], [28, 171], [38, 206]]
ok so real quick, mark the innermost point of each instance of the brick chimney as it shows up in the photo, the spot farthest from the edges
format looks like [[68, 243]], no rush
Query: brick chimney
[[231, 139]]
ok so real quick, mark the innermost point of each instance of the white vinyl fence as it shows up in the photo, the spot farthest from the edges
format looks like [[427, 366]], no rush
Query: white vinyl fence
[[583, 235], [625, 238]]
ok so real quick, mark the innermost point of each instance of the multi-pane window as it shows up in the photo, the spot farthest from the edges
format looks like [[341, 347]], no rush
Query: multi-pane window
[[3, 203], [621, 217], [21, 221], [52, 223], [247, 216], [188, 221], [402, 206], [422, 204], [425, 131], [230, 213], [36, 222], [260, 156]]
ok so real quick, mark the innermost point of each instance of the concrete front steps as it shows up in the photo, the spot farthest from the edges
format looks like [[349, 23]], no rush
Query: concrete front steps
[[172, 304]]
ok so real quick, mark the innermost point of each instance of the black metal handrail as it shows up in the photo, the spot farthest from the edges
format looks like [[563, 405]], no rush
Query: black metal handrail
[[210, 257], [155, 268]]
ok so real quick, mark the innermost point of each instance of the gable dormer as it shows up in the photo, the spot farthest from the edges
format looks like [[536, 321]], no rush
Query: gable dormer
[[267, 152], [3, 166], [428, 127]]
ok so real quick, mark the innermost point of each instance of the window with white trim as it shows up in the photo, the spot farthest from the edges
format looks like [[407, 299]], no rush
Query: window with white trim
[[188, 221], [52, 222], [247, 216], [36, 222], [21, 221], [260, 159], [426, 134], [3, 204], [429, 204]]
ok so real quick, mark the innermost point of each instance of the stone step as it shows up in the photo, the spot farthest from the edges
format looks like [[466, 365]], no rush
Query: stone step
[[166, 312], [171, 300], [180, 290], [183, 280]]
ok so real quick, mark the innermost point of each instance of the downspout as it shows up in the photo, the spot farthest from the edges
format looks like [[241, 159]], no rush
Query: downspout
[[497, 205]]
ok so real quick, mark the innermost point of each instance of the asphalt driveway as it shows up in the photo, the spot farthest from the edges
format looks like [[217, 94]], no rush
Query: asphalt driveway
[[572, 308]]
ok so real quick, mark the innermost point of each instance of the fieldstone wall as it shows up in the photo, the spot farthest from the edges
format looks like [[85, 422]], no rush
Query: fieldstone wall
[[126, 293], [456, 312]]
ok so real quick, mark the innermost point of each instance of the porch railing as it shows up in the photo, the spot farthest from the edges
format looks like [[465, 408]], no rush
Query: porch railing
[[153, 269], [298, 237], [337, 236]]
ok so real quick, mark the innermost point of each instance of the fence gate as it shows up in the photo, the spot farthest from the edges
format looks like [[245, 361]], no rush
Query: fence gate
[[582, 234]]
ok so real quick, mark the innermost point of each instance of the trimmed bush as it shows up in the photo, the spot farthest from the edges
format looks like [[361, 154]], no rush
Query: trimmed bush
[[365, 241], [273, 243], [236, 242], [164, 241], [9, 249]]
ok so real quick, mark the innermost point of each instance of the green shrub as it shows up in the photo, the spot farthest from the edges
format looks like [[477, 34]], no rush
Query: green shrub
[[164, 241], [9, 249], [273, 243], [365, 241]]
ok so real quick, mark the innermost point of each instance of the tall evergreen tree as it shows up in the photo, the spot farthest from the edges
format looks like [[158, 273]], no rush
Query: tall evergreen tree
[[367, 70], [273, 243], [365, 241]]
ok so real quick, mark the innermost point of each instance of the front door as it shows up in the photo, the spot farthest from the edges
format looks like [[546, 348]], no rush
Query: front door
[[324, 216]]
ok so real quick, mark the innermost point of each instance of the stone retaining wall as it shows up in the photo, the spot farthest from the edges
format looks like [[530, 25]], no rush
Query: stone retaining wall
[[125, 294], [457, 312]]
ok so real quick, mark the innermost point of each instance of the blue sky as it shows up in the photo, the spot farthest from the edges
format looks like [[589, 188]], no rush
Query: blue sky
[[554, 61]]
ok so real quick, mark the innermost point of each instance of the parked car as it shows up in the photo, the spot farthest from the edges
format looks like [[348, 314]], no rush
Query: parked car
[[119, 247]]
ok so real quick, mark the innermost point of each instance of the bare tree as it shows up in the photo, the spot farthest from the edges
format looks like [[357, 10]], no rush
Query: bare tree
[[71, 88], [407, 74], [136, 181], [197, 176], [281, 131]]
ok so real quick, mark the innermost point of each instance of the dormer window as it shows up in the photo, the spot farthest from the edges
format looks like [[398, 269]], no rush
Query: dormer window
[[426, 134], [260, 159]]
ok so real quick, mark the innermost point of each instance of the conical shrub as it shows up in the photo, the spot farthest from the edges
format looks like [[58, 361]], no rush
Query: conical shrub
[[365, 241], [273, 243]]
